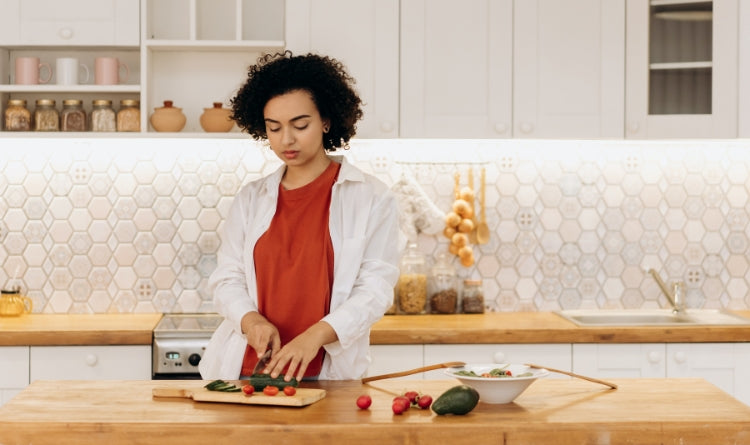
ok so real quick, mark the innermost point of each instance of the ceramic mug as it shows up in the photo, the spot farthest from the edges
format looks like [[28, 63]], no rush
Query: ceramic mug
[[67, 70], [28, 71], [107, 71]]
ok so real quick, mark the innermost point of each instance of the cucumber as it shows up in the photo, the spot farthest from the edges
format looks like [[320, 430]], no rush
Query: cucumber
[[221, 385], [458, 400], [260, 381]]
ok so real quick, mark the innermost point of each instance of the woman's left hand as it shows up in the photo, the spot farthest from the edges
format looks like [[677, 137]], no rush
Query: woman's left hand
[[298, 353]]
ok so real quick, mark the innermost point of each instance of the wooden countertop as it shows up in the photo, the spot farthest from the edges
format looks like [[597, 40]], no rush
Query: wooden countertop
[[537, 327], [651, 411], [78, 329]]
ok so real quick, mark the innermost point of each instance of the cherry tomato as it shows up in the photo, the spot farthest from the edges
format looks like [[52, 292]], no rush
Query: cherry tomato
[[404, 400], [290, 390], [424, 401], [364, 402], [271, 390], [412, 396], [399, 406], [248, 389]]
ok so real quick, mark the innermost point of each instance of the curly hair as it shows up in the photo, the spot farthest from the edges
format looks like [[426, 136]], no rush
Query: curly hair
[[325, 78]]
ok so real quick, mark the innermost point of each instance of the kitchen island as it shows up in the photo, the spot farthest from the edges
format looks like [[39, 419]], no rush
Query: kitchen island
[[643, 411]]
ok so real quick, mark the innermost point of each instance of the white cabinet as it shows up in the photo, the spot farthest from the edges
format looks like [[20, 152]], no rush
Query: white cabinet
[[529, 68], [364, 35], [14, 371], [387, 359], [682, 69], [126, 362], [726, 365], [553, 355]]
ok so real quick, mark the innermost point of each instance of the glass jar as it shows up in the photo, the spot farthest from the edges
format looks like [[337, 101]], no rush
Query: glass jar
[[129, 115], [17, 116], [46, 117], [443, 286], [73, 117], [472, 297], [412, 282], [103, 117]]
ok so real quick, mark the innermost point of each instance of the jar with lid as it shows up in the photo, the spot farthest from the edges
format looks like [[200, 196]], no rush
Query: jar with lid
[[17, 116], [411, 289], [472, 297], [103, 117], [443, 286], [129, 115], [73, 117], [46, 117]]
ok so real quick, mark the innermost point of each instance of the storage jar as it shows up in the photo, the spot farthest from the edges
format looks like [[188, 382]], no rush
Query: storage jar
[[472, 297], [168, 118], [129, 115], [17, 116], [46, 117], [216, 119], [73, 117], [411, 289], [103, 117], [443, 286]]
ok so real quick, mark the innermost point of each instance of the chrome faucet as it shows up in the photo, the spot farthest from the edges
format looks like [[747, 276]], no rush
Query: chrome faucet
[[676, 297]]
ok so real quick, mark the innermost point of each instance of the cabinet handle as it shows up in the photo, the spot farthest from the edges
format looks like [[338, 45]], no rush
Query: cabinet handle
[[680, 357], [499, 357], [65, 33], [654, 357], [500, 128], [386, 127], [91, 359], [526, 128]]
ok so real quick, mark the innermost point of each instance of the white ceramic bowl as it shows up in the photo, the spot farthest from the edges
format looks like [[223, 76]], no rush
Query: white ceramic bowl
[[497, 389]]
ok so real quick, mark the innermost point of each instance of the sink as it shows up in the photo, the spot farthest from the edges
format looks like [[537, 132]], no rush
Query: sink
[[651, 317]]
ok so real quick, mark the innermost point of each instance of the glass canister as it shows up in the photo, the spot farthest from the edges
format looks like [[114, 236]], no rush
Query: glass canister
[[46, 117], [443, 286], [73, 116], [17, 116], [129, 115], [411, 289], [472, 297], [103, 117], [13, 304]]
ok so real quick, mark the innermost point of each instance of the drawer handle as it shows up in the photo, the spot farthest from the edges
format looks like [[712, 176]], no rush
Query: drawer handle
[[680, 357], [65, 33], [499, 357], [654, 357], [91, 359]]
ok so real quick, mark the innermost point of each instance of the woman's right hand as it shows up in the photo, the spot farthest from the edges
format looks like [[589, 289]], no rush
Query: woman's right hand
[[260, 333]]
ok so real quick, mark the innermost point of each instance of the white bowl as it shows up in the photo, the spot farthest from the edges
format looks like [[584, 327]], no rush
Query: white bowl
[[497, 389]]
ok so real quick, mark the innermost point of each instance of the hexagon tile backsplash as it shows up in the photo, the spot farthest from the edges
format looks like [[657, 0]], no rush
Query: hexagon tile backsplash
[[133, 224]]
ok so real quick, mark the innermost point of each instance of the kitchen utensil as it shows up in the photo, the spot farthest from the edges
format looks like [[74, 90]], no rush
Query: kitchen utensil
[[498, 389], [265, 358], [412, 371], [590, 379], [473, 233], [303, 396], [483, 230], [13, 304]]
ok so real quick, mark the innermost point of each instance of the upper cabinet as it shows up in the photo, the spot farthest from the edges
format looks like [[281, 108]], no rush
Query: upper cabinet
[[682, 69]]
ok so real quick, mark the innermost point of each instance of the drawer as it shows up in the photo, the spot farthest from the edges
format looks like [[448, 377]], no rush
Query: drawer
[[14, 367], [90, 362]]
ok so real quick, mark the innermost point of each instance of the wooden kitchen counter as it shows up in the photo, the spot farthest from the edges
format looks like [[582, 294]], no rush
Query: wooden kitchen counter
[[78, 329], [538, 327], [559, 411]]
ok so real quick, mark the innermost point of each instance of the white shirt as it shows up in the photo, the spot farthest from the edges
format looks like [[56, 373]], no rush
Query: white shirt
[[363, 224]]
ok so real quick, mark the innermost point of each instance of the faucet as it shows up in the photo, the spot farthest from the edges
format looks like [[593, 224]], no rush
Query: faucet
[[676, 297]]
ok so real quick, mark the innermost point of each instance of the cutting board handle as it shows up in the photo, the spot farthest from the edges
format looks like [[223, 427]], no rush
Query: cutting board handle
[[165, 391]]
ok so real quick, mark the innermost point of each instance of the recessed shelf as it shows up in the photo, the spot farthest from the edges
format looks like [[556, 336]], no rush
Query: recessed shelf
[[681, 66], [54, 88], [214, 45]]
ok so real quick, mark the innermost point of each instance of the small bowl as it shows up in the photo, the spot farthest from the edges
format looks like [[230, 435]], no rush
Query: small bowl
[[498, 389]]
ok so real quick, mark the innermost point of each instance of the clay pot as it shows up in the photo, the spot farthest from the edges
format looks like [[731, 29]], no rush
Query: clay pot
[[168, 118], [216, 119]]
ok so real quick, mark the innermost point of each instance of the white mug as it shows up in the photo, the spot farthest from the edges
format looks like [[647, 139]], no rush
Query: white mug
[[67, 70]]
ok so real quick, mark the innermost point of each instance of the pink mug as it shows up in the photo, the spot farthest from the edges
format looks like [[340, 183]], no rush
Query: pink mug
[[107, 71], [28, 71]]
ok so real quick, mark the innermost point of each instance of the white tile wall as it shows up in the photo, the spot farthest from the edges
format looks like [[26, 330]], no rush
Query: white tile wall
[[133, 225]]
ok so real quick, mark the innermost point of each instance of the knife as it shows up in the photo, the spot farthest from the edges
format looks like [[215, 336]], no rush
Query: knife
[[262, 362]]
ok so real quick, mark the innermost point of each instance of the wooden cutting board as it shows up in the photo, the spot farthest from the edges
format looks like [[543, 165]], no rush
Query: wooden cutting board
[[303, 397]]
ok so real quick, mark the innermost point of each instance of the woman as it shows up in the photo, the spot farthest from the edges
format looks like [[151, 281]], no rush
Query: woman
[[309, 254]]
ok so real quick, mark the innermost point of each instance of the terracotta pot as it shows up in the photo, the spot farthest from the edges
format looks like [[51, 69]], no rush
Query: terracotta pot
[[216, 119], [168, 118]]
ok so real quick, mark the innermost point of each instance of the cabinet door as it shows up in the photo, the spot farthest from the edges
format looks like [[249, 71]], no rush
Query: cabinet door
[[456, 68], [364, 36], [14, 371], [90, 362], [678, 86], [568, 68], [723, 364], [620, 360], [395, 358], [553, 355]]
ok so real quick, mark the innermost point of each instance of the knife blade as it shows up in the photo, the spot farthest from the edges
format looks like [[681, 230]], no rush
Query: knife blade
[[263, 361]]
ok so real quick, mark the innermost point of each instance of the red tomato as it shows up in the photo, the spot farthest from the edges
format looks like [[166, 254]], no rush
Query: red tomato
[[271, 390], [364, 402], [412, 396], [424, 401], [405, 400], [399, 406], [290, 390], [248, 389]]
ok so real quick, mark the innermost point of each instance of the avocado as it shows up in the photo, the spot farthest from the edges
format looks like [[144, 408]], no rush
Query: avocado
[[457, 400]]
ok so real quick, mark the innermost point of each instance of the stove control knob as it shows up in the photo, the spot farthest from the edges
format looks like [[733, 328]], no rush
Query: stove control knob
[[194, 359]]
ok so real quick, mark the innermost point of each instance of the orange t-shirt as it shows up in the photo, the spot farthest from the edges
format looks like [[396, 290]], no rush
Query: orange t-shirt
[[294, 264]]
